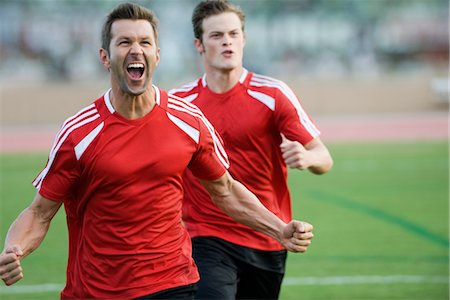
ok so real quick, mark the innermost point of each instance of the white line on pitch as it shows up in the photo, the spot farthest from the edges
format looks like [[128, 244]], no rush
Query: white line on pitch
[[288, 281], [369, 279], [26, 289]]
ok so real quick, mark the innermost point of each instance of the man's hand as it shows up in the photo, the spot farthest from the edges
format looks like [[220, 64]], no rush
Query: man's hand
[[297, 236], [10, 269], [313, 156], [295, 155]]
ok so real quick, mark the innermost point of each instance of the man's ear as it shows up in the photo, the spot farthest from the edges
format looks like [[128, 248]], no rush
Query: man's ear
[[158, 56], [104, 58], [199, 46]]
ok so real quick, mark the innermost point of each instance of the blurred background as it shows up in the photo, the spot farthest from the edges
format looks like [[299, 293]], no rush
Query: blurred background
[[372, 74], [378, 56]]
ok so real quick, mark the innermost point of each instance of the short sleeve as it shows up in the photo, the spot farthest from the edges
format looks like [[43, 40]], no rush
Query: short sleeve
[[291, 119], [56, 180], [210, 161]]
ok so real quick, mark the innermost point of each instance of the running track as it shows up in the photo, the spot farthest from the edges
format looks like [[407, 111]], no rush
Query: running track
[[335, 129]]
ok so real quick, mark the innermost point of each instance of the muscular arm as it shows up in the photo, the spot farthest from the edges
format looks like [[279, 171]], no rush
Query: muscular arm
[[243, 206], [314, 156], [25, 235]]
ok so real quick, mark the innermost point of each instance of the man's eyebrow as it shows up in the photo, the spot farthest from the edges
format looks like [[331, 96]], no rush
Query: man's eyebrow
[[141, 37]]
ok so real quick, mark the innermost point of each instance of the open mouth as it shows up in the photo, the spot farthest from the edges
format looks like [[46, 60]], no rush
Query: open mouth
[[228, 54], [136, 70]]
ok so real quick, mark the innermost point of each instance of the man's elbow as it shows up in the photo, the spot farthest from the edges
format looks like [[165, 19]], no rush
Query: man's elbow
[[323, 168]]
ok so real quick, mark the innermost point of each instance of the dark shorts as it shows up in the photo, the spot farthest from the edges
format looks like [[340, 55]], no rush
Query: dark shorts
[[230, 271], [182, 292]]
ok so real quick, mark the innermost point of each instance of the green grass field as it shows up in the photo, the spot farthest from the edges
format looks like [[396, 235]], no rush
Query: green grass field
[[381, 222]]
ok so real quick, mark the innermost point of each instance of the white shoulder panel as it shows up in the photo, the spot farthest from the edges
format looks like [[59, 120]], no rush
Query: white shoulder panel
[[188, 129], [82, 146], [263, 98]]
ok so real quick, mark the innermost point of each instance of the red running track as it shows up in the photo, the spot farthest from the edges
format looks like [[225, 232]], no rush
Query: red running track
[[335, 129]]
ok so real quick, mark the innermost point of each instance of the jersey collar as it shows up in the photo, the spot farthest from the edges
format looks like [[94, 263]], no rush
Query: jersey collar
[[111, 107], [241, 79]]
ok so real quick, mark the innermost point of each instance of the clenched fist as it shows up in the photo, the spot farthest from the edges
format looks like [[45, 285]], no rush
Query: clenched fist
[[10, 269]]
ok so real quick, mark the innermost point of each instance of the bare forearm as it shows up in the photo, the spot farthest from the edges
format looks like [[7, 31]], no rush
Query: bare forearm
[[25, 235], [322, 161], [243, 206], [27, 231], [314, 156], [31, 226]]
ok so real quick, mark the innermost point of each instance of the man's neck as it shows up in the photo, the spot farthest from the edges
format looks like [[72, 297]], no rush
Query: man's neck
[[133, 107], [222, 81]]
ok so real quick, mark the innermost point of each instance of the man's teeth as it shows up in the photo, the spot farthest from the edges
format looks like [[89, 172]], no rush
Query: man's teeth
[[136, 66]]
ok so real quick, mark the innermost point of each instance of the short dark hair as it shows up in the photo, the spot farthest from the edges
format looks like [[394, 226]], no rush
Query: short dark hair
[[127, 11], [210, 8]]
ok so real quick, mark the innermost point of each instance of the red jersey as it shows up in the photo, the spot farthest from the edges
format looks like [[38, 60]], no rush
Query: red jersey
[[249, 118], [121, 183]]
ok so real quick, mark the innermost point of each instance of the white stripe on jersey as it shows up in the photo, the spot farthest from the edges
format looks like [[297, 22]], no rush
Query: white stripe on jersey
[[261, 81], [78, 118], [189, 108], [178, 104], [62, 136], [218, 147], [188, 129], [185, 88], [78, 114], [190, 98], [243, 76], [157, 94], [82, 146], [266, 100], [108, 102]]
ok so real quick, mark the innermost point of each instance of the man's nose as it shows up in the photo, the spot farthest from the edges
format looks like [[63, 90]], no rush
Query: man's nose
[[226, 40], [136, 49]]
